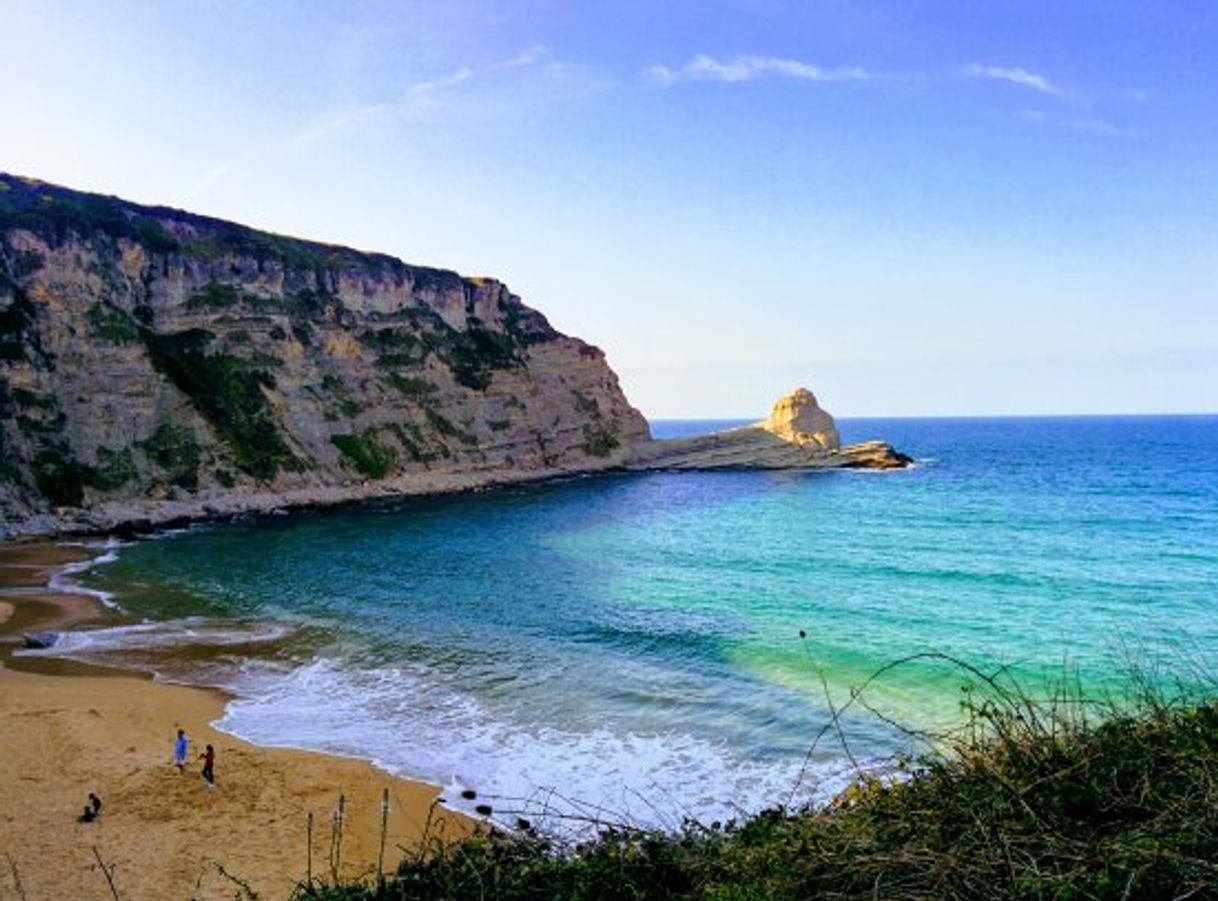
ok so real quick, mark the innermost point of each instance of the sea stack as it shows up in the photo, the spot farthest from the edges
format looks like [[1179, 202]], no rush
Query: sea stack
[[798, 418]]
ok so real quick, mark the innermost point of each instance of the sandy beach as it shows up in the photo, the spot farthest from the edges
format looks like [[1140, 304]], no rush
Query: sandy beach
[[68, 729]]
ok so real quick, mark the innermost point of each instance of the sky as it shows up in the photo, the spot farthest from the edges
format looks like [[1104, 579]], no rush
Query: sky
[[912, 208]]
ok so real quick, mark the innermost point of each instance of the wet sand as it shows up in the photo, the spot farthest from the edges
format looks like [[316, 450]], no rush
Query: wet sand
[[67, 729]]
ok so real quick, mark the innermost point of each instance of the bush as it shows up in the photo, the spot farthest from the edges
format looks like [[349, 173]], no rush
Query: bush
[[600, 440]]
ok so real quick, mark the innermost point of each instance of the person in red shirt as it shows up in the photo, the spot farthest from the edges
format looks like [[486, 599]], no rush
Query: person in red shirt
[[209, 761]]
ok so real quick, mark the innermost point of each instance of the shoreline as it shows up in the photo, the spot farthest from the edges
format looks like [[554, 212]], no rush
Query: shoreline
[[140, 517], [68, 728]]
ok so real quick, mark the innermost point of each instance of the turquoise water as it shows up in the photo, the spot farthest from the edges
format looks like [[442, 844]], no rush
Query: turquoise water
[[633, 641]]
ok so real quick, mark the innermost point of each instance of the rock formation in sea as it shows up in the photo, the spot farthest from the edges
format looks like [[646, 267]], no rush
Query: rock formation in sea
[[797, 434], [157, 365]]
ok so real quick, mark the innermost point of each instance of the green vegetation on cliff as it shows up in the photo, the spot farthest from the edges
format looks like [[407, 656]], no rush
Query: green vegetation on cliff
[[366, 454], [174, 449], [600, 440], [229, 394], [17, 315], [477, 352], [113, 325]]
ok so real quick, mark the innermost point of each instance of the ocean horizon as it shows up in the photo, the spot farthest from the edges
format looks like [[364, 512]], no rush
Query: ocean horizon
[[631, 643]]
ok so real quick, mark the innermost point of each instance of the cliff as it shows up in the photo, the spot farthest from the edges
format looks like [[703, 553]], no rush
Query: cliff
[[158, 365]]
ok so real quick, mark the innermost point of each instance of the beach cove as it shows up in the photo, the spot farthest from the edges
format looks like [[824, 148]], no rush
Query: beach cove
[[631, 644], [67, 729]]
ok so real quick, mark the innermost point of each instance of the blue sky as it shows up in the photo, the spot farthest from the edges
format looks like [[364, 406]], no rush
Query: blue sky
[[910, 207]]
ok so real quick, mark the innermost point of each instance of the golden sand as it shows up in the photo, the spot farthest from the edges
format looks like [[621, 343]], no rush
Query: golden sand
[[69, 729]]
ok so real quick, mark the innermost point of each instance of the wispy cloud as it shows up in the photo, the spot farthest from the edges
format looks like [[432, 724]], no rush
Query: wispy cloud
[[1016, 76], [416, 99], [424, 94], [749, 68]]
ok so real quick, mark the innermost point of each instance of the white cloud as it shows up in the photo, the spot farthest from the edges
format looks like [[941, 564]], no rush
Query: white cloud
[[1017, 76], [748, 68]]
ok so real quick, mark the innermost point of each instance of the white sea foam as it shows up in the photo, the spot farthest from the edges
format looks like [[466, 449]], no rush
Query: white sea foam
[[146, 636], [407, 723], [63, 579]]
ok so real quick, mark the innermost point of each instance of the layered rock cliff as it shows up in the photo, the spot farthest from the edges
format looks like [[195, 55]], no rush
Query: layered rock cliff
[[156, 365]]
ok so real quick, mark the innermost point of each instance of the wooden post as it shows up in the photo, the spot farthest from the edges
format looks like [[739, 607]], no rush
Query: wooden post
[[380, 858], [338, 846], [309, 852]]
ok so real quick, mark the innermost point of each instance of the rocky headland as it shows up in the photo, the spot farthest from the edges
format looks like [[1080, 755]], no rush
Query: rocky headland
[[159, 366], [798, 434]]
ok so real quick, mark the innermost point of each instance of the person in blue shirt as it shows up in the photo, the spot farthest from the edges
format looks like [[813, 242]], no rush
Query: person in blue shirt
[[179, 751]]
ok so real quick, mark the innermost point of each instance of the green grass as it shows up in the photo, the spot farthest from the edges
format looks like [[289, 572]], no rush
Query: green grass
[[1050, 798]]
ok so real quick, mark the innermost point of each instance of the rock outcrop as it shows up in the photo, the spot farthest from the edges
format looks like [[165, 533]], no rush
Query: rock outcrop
[[797, 435], [798, 418], [157, 365]]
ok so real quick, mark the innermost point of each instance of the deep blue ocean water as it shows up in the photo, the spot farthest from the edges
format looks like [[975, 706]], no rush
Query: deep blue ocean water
[[633, 641]]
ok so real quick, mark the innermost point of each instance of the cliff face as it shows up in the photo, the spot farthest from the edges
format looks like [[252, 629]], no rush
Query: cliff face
[[157, 364]]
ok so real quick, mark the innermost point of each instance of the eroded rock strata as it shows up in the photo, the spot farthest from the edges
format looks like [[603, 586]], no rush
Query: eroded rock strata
[[158, 365]]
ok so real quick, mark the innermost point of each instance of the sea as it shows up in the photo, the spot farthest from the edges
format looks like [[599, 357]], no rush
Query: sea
[[651, 648]]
